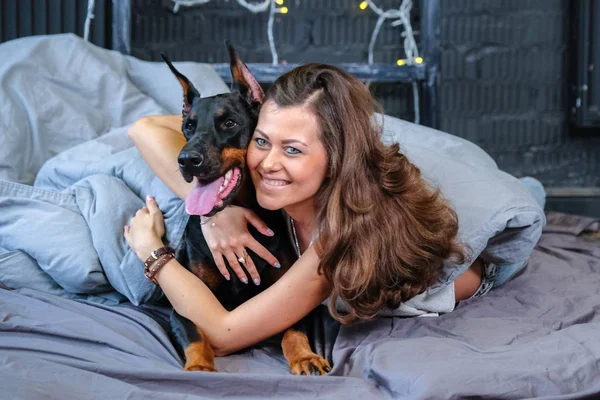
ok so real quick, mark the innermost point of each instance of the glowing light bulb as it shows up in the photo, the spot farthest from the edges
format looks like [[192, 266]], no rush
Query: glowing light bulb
[[363, 5], [419, 60], [279, 2], [400, 62], [283, 10]]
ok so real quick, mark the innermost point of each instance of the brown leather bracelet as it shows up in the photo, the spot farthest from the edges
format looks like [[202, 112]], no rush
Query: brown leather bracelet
[[151, 271], [155, 255]]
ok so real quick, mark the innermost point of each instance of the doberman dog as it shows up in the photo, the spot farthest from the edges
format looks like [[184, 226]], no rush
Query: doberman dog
[[218, 130]]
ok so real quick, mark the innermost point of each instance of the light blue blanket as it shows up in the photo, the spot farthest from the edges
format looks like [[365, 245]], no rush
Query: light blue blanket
[[69, 102]]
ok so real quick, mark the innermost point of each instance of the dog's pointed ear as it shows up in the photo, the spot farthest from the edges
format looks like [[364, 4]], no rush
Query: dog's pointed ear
[[189, 91], [242, 79]]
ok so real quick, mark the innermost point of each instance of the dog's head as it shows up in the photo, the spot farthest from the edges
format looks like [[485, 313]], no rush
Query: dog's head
[[218, 130]]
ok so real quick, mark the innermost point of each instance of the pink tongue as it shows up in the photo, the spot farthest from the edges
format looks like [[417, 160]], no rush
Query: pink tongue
[[203, 198]]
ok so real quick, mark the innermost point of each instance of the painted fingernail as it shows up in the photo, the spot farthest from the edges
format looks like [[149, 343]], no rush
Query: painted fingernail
[[277, 265], [245, 280], [257, 281], [149, 197], [270, 232], [227, 277]]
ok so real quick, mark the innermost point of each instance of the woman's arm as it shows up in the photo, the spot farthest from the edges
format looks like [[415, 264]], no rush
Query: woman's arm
[[159, 140], [292, 297]]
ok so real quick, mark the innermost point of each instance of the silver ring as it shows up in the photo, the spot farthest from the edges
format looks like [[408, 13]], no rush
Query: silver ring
[[241, 260]]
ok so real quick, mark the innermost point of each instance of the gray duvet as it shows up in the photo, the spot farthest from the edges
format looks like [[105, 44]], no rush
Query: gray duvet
[[535, 336], [74, 327]]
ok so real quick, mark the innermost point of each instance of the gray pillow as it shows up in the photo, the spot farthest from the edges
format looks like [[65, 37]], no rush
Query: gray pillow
[[59, 91]]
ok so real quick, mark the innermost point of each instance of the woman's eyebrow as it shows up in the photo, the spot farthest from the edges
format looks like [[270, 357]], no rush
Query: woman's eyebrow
[[262, 133], [290, 141], [287, 141]]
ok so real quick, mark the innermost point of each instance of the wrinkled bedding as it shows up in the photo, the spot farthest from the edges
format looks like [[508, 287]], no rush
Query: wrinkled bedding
[[82, 322], [68, 138], [535, 336]]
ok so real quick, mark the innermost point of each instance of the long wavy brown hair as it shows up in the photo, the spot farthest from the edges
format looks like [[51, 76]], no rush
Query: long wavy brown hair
[[383, 232]]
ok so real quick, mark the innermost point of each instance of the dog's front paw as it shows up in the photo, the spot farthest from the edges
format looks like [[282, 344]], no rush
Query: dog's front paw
[[205, 368], [311, 365], [199, 356]]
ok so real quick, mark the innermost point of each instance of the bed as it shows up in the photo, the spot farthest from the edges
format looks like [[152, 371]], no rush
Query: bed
[[72, 328]]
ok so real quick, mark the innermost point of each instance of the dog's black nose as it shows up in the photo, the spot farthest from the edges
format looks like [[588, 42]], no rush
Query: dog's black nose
[[190, 159]]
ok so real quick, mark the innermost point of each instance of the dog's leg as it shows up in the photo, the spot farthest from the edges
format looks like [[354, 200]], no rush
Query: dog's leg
[[199, 356], [302, 360], [192, 345]]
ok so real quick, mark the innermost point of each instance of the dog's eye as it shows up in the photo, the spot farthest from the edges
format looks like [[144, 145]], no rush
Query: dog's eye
[[190, 126], [229, 124]]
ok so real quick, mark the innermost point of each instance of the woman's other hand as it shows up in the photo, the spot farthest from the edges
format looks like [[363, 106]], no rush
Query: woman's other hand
[[145, 231], [227, 236]]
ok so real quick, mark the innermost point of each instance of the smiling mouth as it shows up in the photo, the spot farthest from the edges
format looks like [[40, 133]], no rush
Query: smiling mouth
[[272, 184], [209, 198], [275, 182]]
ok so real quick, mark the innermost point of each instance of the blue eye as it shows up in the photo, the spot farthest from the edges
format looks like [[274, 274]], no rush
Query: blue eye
[[260, 142], [292, 150]]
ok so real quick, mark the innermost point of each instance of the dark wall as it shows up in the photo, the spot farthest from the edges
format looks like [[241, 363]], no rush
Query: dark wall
[[330, 31], [504, 63], [504, 68], [505, 73], [19, 18]]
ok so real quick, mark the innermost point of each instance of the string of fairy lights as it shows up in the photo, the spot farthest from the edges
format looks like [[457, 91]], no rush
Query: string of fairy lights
[[88, 19], [398, 17]]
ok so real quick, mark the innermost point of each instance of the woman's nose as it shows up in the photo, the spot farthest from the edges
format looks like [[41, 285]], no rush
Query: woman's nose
[[271, 161]]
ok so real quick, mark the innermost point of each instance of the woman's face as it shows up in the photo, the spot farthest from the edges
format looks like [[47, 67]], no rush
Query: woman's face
[[286, 158]]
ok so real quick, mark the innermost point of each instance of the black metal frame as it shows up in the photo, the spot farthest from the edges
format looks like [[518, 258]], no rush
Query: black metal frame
[[428, 73], [585, 99], [374, 72]]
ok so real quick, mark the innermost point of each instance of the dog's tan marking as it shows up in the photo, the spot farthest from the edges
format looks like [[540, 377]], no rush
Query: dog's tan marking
[[301, 358], [185, 84], [239, 76], [199, 356], [233, 156]]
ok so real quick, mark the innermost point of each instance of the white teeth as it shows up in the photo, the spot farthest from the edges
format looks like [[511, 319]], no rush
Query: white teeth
[[226, 180], [274, 183]]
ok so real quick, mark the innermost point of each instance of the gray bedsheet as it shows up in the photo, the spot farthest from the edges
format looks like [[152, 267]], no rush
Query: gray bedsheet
[[536, 336]]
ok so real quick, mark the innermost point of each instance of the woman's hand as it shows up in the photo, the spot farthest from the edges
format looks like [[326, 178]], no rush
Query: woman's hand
[[227, 235], [145, 231]]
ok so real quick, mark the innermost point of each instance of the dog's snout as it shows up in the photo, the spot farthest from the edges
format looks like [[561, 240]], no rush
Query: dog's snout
[[190, 159]]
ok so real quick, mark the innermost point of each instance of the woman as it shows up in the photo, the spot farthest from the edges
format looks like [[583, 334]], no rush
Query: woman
[[367, 229]]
